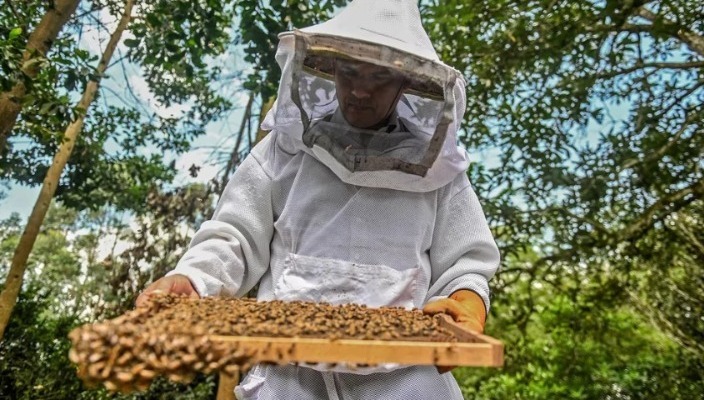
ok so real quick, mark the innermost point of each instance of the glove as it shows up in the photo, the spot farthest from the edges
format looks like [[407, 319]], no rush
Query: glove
[[176, 284], [465, 307]]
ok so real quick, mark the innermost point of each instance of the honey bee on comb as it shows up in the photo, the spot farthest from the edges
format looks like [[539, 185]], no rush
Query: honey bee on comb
[[128, 352]]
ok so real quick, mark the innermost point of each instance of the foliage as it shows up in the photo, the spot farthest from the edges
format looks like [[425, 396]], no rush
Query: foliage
[[78, 275], [35, 340], [592, 113], [13, 39], [543, 78], [174, 51], [261, 22], [579, 347], [670, 287], [125, 147], [202, 388], [48, 308], [157, 241], [97, 265]]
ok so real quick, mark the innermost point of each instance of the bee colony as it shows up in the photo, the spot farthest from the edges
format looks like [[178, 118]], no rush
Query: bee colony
[[178, 337]]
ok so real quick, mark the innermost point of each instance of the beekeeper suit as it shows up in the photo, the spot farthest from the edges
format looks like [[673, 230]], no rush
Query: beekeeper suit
[[357, 195]]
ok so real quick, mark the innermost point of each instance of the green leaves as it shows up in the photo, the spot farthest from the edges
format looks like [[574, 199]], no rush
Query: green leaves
[[579, 347], [73, 282], [260, 23], [174, 43], [126, 145], [131, 43], [555, 89], [14, 33], [592, 116]]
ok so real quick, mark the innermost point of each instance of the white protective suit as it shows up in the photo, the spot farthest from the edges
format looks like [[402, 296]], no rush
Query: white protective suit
[[311, 221]]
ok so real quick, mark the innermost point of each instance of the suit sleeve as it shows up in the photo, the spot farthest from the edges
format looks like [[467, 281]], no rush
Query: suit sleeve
[[230, 252], [463, 253]]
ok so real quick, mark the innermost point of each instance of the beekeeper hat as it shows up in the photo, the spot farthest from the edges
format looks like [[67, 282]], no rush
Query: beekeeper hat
[[387, 33], [381, 32]]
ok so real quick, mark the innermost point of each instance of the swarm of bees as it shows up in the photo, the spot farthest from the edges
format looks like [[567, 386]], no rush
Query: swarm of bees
[[174, 336]]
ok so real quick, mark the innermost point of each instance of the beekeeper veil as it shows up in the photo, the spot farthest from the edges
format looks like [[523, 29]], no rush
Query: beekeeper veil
[[366, 94]]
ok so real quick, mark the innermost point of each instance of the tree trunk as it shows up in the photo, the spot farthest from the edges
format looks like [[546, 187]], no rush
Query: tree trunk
[[234, 157], [39, 43], [265, 109], [13, 283]]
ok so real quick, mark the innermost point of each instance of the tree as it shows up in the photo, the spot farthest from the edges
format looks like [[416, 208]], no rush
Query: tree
[[591, 115], [13, 283], [577, 347], [127, 144], [70, 282], [593, 111], [157, 58], [38, 45]]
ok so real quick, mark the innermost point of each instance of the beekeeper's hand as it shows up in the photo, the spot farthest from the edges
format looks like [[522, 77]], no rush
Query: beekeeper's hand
[[176, 284], [465, 307]]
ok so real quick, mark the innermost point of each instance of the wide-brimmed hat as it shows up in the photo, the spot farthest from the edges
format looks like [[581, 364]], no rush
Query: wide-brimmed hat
[[386, 33]]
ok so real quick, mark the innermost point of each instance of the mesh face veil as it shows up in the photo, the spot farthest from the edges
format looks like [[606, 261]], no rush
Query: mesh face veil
[[369, 98]]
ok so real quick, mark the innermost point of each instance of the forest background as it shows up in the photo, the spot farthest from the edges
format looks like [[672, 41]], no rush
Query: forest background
[[585, 120]]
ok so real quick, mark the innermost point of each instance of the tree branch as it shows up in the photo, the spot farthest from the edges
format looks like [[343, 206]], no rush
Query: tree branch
[[659, 153], [694, 41], [699, 84], [136, 98], [660, 209], [635, 28], [234, 157], [656, 65]]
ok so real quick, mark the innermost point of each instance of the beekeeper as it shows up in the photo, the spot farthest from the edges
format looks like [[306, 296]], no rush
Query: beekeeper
[[359, 194]]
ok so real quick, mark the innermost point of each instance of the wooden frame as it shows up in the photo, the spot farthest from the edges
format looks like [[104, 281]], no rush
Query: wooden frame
[[472, 349]]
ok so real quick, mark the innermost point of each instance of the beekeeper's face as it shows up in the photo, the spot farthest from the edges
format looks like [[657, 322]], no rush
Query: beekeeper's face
[[367, 93]]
